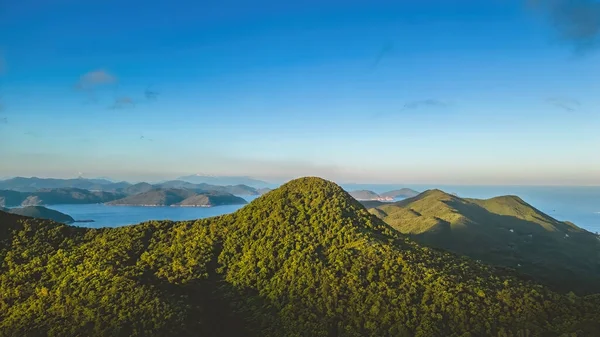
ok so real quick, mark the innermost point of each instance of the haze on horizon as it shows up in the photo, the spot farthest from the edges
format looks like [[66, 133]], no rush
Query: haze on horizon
[[468, 92]]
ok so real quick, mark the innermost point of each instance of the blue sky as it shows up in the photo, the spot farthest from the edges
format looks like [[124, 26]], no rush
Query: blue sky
[[468, 92]]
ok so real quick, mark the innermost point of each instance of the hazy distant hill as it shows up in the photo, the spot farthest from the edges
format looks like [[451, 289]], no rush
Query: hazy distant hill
[[505, 231], [56, 197], [401, 193], [231, 189], [179, 197], [69, 196], [137, 188], [212, 199], [11, 198], [303, 260], [263, 190], [224, 180], [364, 195], [40, 212], [155, 197], [33, 184]]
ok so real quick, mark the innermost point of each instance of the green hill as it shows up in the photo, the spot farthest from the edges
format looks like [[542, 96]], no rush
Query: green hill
[[40, 212], [305, 259], [504, 231]]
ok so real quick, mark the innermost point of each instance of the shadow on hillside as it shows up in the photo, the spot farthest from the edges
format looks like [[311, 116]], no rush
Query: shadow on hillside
[[562, 259]]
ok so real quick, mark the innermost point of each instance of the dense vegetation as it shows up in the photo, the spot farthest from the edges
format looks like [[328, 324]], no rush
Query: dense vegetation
[[503, 231], [179, 197], [40, 212], [303, 260]]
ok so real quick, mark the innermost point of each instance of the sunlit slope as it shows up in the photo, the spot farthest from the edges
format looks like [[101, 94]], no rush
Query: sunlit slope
[[505, 231]]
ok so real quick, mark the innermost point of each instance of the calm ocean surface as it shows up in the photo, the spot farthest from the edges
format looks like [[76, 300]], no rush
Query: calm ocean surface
[[116, 216], [580, 205]]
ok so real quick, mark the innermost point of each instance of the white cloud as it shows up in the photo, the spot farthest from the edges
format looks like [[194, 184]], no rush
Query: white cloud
[[96, 78]]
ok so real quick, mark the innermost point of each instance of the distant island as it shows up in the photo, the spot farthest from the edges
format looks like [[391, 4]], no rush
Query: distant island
[[39, 212], [56, 196], [364, 195], [401, 193], [179, 197], [22, 191]]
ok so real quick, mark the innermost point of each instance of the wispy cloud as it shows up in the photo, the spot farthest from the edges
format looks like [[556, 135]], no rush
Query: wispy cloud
[[425, 103], [387, 48], [151, 95], [95, 78], [577, 22], [565, 103], [123, 102], [414, 105]]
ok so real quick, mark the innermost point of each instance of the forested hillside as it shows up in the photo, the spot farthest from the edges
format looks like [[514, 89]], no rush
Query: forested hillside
[[303, 260]]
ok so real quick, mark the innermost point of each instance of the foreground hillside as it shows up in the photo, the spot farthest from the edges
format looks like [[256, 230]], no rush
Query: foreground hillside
[[303, 260], [504, 231]]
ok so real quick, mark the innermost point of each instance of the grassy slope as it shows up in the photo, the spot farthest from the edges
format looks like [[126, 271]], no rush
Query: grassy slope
[[505, 231]]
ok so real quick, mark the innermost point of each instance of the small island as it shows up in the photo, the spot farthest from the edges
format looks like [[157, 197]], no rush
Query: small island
[[39, 212], [401, 193], [179, 198]]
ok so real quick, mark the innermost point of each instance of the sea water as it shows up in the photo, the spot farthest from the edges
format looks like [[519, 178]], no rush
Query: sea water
[[580, 205], [116, 216]]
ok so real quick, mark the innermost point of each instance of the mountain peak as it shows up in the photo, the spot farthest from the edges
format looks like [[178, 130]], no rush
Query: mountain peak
[[307, 198]]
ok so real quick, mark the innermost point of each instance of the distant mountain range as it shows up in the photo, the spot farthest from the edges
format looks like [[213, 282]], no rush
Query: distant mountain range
[[503, 231], [34, 184], [56, 196], [38, 191], [224, 180], [179, 197]]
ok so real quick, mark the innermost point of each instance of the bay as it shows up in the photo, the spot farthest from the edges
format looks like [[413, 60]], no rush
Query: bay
[[116, 216]]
